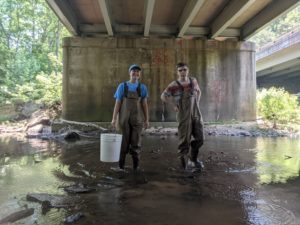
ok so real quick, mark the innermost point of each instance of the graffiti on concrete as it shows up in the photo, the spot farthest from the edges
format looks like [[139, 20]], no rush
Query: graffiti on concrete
[[160, 57], [218, 90]]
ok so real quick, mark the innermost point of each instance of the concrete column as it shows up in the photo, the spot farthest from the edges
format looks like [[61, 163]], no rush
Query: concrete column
[[93, 68]]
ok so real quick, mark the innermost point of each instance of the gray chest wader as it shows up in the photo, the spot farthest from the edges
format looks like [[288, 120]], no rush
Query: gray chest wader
[[131, 124], [190, 125]]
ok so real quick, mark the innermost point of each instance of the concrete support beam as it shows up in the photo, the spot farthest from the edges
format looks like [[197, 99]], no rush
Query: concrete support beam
[[197, 31], [233, 10], [280, 69], [164, 30], [288, 73], [105, 14], [189, 13], [90, 29], [65, 14], [230, 32], [149, 13], [126, 29], [272, 11], [100, 29], [288, 54]]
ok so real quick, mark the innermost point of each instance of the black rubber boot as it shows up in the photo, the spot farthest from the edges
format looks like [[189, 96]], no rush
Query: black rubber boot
[[135, 162], [122, 161], [194, 154], [182, 160]]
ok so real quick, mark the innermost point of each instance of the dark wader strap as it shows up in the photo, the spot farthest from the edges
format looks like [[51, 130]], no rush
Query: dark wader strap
[[179, 84], [138, 89], [191, 85], [125, 89]]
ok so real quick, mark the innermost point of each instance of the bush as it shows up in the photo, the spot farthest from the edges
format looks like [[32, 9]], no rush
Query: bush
[[44, 89], [278, 106]]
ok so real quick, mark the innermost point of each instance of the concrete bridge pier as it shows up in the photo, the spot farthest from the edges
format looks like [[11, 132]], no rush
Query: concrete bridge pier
[[93, 67]]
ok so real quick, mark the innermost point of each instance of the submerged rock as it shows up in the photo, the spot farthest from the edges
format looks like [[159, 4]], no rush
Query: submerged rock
[[56, 201], [73, 218], [79, 188], [17, 216], [72, 136]]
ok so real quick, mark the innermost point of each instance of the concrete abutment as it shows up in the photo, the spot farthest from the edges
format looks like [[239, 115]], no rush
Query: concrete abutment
[[93, 67]]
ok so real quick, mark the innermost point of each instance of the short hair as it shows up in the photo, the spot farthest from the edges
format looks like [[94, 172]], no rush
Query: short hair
[[181, 64]]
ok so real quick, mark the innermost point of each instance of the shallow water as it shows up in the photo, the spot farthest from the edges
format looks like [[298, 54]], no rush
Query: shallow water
[[245, 181]]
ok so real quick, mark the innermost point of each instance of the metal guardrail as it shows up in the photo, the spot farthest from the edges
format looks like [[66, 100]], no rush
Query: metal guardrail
[[284, 41]]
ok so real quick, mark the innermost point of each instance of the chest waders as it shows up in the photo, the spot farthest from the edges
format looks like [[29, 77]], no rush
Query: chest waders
[[190, 125], [131, 124]]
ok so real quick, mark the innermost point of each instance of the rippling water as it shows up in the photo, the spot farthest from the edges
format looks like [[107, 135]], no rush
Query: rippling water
[[245, 181]]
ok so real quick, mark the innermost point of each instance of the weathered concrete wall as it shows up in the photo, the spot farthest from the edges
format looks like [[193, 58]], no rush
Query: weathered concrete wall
[[93, 67]]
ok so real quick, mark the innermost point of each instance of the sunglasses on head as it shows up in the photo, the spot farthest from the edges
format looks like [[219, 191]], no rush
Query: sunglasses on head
[[182, 70]]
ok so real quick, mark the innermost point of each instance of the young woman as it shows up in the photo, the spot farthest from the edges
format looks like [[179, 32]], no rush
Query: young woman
[[132, 109]]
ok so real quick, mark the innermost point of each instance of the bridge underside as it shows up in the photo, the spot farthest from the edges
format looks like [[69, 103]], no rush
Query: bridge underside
[[93, 67], [280, 69], [285, 75], [110, 35]]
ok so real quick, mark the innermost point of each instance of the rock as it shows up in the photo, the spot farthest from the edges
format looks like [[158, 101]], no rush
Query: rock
[[73, 218], [80, 188], [245, 133], [72, 136], [56, 201], [17, 216]]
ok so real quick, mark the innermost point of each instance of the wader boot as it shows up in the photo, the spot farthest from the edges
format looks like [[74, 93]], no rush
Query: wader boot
[[197, 132], [190, 124], [183, 161], [130, 124], [135, 161], [122, 160], [193, 162]]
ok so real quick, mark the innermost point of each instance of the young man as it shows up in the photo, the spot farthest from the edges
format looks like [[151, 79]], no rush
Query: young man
[[132, 109], [184, 94]]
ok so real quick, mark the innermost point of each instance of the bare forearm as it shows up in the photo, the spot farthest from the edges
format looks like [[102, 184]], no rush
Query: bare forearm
[[116, 110], [145, 110]]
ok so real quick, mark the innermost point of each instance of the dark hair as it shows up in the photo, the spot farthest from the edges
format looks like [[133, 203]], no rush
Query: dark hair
[[181, 64]]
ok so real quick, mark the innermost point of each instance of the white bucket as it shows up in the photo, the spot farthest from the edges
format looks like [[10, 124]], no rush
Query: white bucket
[[110, 147]]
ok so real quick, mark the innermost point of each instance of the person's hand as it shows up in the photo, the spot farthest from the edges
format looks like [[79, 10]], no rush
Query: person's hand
[[175, 108], [114, 124], [146, 124]]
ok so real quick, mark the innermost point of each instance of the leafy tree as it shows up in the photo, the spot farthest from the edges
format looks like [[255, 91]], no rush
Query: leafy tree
[[30, 37], [278, 106], [286, 23]]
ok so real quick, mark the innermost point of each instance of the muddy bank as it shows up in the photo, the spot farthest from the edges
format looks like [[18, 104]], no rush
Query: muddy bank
[[46, 124], [43, 127], [37, 121]]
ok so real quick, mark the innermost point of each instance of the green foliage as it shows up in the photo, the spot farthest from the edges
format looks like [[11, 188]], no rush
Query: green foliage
[[278, 106], [44, 89], [30, 38], [288, 22]]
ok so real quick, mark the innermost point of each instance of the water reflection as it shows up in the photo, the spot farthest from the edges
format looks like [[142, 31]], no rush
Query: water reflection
[[25, 167], [224, 193], [278, 160]]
